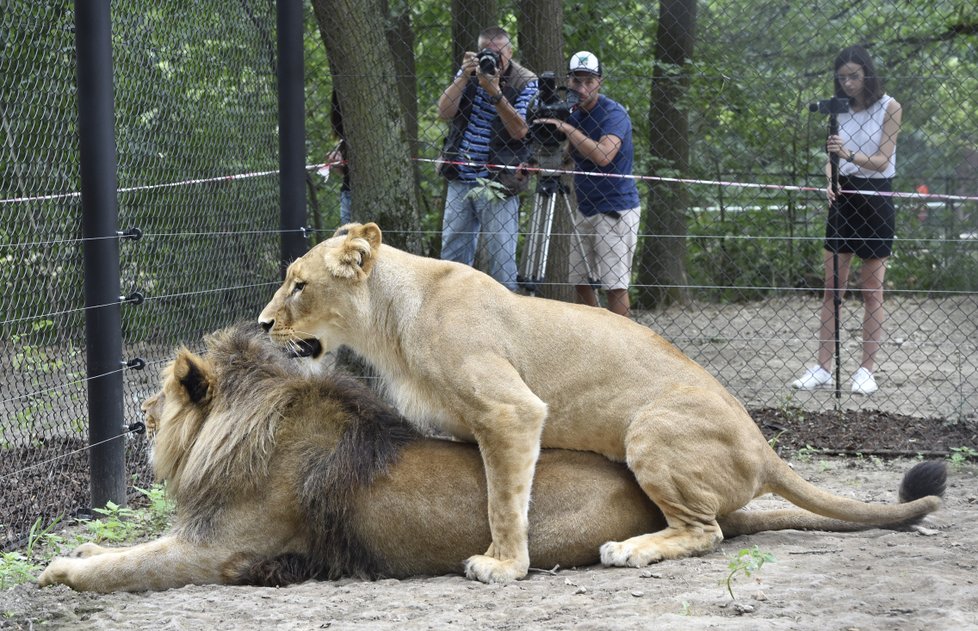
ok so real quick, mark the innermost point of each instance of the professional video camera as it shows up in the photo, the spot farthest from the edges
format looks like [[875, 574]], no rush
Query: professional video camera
[[488, 61], [833, 106], [551, 101]]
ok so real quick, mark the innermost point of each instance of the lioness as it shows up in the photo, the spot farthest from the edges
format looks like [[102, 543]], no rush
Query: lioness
[[460, 352]]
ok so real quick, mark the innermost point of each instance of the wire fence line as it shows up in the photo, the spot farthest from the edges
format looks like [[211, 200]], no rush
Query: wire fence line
[[197, 150]]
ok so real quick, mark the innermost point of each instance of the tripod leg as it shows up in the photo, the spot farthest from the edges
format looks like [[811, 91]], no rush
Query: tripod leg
[[591, 277], [533, 260]]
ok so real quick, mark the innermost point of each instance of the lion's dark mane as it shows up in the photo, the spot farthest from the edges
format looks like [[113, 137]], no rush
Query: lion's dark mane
[[330, 477]]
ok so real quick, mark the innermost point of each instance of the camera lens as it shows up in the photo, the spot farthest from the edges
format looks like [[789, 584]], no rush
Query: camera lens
[[488, 61]]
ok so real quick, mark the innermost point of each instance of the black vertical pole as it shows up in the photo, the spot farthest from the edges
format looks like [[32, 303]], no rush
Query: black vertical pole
[[836, 294], [103, 322], [292, 130]]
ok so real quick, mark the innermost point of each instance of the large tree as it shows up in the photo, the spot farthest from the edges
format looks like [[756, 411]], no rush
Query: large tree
[[662, 274], [541, 49], [365, 77]]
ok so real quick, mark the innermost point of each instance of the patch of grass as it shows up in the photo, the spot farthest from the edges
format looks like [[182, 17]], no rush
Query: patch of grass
[[961, 455], [117, 524]]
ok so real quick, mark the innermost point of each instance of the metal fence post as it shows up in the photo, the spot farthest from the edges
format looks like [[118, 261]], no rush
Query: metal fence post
[[292, 130], [103, 321]]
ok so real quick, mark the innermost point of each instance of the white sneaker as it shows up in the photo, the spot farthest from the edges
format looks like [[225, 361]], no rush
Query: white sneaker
[[814, 378], [863, 382]]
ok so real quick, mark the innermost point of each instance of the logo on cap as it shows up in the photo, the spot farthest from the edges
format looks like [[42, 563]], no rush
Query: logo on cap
[[585, 62]]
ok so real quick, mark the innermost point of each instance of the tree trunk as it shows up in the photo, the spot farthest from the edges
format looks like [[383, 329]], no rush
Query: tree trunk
[[541, 49], [662, 274], [366, 81], [469, 17]]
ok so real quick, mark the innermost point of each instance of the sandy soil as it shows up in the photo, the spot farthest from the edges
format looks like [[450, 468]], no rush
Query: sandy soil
[[922, 579]]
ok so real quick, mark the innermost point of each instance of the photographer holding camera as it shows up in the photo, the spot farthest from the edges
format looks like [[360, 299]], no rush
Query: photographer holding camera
[[860, 224], [599, 136], [486, 104]]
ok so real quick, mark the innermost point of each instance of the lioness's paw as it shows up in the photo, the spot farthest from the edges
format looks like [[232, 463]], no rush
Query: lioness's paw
[[489, 570], [629, 554]]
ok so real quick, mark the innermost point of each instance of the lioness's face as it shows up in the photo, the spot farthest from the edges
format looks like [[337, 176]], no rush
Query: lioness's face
[[322, 289]]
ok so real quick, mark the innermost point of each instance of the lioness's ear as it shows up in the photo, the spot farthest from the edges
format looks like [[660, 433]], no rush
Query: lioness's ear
[[194, 376], [355, 257], [370, 232]]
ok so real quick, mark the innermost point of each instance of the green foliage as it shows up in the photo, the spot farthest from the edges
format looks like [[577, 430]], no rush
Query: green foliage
[[19, 566], [488, 190], [747, 562], [117, 525], [961, 456]]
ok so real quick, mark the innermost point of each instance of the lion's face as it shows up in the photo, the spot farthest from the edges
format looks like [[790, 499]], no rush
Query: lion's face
[[321, 292], [175, 414]]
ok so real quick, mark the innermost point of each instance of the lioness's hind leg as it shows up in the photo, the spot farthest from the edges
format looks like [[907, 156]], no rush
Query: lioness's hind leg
[[684, 455]]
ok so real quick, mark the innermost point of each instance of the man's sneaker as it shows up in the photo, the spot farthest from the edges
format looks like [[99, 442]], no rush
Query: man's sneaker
[[863, 382], [814, 378]]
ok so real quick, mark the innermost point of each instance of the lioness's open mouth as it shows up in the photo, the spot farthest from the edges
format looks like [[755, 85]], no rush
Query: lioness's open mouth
[[309, 347]]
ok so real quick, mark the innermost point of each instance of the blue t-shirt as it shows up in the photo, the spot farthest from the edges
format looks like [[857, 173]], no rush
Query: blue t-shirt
[[596, 194]]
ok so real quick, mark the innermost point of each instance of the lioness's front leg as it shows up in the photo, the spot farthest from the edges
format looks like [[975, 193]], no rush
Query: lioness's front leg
[[508, 432], [165, 563]]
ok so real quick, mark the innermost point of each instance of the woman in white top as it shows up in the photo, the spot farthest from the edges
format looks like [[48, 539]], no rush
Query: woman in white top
[[860, 224]]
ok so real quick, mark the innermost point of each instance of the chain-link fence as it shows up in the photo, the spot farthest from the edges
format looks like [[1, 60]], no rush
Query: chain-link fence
[[727, 164], [195, 122]]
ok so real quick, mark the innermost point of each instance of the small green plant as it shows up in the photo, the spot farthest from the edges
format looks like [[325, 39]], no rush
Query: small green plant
[[805, 453], [961, 455], [123, 524], [747, 561], [488, 190], [117, 525], [19, 566]]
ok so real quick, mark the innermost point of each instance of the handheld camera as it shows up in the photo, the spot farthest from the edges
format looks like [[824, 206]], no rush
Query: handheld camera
[[833, 106]]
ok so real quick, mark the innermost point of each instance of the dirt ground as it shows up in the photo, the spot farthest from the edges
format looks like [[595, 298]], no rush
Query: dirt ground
[[878, 579]]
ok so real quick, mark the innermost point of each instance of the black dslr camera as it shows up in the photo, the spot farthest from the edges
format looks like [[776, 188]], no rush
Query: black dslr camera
[[833, 106], [488, 61], [550, 102]]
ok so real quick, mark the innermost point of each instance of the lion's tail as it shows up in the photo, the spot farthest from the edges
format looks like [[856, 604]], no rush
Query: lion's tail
[[920, 494], [278, 571]]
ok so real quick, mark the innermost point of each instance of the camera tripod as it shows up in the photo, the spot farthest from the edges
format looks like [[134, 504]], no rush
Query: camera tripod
[[550, 192]]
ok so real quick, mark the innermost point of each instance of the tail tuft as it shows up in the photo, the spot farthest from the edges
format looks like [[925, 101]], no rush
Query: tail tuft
[[924, 479], [279, 571]]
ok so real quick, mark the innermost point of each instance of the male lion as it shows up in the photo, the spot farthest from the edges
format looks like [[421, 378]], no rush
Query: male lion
[[460, 352], [279, 477]]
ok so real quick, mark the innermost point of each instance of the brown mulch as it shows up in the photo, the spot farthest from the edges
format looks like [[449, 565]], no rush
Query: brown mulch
[[43, 481], [868, 432]]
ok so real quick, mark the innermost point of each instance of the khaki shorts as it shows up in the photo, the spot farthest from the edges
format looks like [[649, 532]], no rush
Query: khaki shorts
[[608, 245]]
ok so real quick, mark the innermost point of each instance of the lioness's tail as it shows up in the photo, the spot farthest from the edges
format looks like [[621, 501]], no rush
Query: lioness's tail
[[920, 493]]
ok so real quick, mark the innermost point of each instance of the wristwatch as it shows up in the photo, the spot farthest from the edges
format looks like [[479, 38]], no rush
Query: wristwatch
[[495, 99], [851, 156]]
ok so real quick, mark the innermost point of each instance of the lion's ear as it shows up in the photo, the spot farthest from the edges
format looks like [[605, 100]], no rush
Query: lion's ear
[[356, 255], [194, 376]]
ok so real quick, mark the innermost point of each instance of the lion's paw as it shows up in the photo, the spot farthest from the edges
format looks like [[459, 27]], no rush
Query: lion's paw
[[489, 570], [57, 572], [629, 554], [87, 549]]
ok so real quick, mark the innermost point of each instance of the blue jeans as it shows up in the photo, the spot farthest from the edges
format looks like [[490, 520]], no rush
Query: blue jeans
[[345, 200], [498, 220]]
